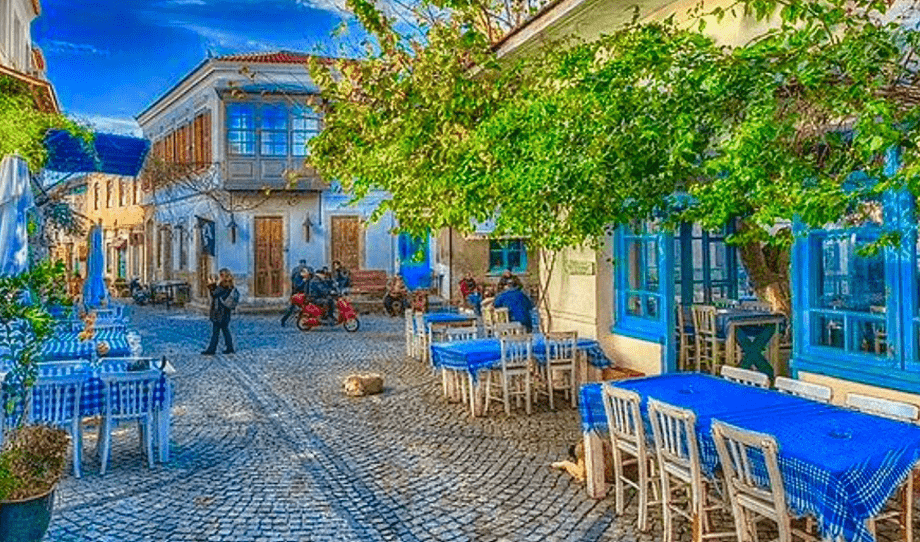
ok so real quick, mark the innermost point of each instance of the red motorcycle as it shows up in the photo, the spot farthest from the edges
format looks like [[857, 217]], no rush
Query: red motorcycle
[[313, 315]]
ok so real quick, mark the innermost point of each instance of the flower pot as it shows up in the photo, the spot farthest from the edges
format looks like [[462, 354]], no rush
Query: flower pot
[[26, 520]]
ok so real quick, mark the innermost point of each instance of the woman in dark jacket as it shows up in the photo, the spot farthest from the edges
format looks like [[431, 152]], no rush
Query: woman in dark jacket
[[224, 298]]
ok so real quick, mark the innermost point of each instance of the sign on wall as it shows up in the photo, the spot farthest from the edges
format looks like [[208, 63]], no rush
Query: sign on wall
[[206, 227], [575, 267]]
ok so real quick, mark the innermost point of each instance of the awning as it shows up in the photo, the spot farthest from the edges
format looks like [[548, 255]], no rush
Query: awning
[[115, 154]]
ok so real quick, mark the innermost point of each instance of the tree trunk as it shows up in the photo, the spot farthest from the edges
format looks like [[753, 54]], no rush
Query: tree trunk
[[768, 268]]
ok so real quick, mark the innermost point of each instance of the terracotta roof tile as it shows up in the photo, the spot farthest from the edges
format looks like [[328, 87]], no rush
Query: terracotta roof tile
[[274, 57]]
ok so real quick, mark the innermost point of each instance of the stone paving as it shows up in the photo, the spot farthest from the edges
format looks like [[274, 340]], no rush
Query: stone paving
[[266, 447]]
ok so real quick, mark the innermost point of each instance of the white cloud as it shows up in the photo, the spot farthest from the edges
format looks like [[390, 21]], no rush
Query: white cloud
[[109, 125], [335, 6], [219, 39], [58, 46]]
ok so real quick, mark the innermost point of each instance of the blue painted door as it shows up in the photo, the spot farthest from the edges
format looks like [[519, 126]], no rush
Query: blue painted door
[[414, 261]]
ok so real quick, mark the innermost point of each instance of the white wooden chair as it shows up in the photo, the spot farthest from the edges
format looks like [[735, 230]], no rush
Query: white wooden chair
[[421, 337], [686, 340], [745, 376], [488, 320], [627, 437], [710, 348], [55, 401], [128, 397], [902, 510], [806, 390], [508, 328], [561, 353], [453, 380], [501, 315], [514, 374], [410, 333], [679, 461], [751, 497]]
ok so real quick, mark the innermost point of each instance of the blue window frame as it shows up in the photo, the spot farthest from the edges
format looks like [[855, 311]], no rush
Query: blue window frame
[[305, 125], [241, 129], [644, 286], [856, 315], [708, 268], [507, 254], [273, 130]]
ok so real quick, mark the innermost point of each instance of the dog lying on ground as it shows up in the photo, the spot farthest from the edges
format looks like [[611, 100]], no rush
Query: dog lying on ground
[[575, 466], [358, 385]]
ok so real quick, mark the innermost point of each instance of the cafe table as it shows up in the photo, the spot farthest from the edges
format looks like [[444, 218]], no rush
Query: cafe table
[[755, 334], [67, 345], [477, 355], [838, 465]]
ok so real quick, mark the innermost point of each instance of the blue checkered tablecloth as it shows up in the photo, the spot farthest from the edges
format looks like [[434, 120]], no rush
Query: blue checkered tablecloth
[[92, 397], [838, 465], [66, 345], [724, 317], [480, 354]]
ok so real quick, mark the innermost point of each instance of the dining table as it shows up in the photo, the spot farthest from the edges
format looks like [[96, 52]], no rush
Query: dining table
[[66, 345], [838, 465]]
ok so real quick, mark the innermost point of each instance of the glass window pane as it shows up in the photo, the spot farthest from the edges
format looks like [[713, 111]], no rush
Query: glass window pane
[[274, 117], [848, 281], [634, 264], [634, 305], [828, 331], [241, 116]]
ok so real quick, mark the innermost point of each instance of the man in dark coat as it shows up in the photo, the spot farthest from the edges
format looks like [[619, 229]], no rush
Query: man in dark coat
[[299, 286]]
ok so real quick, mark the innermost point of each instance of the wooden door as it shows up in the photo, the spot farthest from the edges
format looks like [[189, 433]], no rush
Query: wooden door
[[346, 241], [204, 274], [269, 257]]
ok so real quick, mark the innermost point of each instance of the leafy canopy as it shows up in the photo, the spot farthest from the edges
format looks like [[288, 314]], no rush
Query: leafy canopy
[[655, 119]]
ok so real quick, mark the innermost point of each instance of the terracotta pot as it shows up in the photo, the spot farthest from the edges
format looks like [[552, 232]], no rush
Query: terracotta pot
[[26, 520]]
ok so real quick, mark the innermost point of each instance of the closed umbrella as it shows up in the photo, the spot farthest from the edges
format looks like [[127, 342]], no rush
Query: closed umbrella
[[15, 202], [94, 291]]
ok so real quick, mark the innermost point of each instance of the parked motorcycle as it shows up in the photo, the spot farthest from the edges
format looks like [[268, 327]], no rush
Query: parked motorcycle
[[312, 315], [140, 294]]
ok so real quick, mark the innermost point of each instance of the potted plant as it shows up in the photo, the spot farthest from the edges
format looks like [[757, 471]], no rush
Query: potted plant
[[32, 458]]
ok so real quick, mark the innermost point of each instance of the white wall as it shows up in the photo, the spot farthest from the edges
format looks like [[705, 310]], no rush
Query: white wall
[[15, 34]]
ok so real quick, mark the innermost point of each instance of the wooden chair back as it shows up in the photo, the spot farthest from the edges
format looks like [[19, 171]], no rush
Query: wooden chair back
[[887, 408], [751, 469], [508, 328], [806, 390], [501, 315], [517, 351], [674, 431], [704, 319], [454, 334], [745, 376], [624, 420]]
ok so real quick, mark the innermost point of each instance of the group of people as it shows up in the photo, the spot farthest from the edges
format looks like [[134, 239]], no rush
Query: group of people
[[508, 293], [318, 285]]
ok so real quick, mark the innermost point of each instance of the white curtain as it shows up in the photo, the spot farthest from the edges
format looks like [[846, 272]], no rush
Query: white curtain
[[15, 201]]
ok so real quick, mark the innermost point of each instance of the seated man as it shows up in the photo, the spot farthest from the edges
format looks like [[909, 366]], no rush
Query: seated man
[[299, 286], [341, 275], [321, 292], [394, 301], [518, 305]]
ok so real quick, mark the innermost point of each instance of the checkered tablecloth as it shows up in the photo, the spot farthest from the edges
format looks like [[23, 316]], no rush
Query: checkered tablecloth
[[66, 345], [838, 465], [480, 354], [92, 395]]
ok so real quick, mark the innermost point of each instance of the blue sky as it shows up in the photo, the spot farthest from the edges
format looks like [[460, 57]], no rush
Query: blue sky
[[109, 59]]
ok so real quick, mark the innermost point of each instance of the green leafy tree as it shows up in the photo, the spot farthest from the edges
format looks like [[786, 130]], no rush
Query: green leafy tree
[[580, 137]]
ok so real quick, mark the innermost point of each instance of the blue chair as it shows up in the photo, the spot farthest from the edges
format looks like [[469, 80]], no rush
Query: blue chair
[[55, 401], [128, 397]]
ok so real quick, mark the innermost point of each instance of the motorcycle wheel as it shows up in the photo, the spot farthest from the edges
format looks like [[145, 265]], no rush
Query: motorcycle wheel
[[303, 324], [351, 325]]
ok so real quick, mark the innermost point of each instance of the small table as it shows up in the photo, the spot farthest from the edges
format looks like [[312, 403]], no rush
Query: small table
[[173, 291], [755, 333]]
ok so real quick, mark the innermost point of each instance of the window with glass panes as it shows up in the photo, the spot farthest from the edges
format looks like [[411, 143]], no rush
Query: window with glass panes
[[241, 129], [305, 124], [507, 254], [273, 130], [642, 271], [708, 269]]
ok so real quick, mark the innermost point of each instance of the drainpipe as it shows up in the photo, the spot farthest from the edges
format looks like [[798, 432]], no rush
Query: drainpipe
[[450, 264]]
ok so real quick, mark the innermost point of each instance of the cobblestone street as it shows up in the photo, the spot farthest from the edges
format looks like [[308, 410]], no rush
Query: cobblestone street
[[266, 446]]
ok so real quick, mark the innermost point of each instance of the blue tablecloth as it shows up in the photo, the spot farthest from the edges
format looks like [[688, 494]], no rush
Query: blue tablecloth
[[447, 318], [480, 354], [66, 345], [837, 464]]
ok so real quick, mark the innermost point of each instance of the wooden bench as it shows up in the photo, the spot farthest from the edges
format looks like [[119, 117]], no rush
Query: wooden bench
[[369, 281]]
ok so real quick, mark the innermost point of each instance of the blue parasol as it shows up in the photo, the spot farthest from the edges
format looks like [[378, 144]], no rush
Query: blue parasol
[[15, 202], [94, 291]]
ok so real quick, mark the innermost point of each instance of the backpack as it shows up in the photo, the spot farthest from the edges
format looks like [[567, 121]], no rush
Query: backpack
[[232, 300]]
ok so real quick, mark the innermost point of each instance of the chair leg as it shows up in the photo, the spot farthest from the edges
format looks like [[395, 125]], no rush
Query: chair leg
[[618, 479], [549, 385], [148, 439], [473, 398], [666, 507], [76, 434], [106, 445], [642, 466], [528, 382], [907, 517], [505, 394]]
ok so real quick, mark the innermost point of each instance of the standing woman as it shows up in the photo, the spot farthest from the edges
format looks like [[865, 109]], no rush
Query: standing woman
[[224, 298]]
